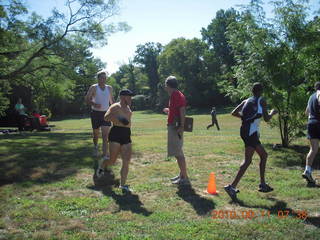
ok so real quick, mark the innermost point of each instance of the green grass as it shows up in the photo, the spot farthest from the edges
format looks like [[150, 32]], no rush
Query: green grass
[[48, 190]]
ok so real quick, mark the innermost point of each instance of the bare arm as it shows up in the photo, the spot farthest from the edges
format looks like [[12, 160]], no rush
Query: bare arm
[[166, 110], [307, 111], [111, 98], [267, 116], [90, 94], [182, 114], [236, 112], [113, 114], [110, 114]]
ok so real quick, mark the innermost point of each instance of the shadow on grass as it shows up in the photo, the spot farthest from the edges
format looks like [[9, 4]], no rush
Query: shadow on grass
[[42, 157], [281, 210], [126, 201], [70, 117], [292, 156], [200, 204], [39, 158]]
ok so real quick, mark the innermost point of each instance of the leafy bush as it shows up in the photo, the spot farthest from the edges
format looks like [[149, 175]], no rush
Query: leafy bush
[[140, 102]]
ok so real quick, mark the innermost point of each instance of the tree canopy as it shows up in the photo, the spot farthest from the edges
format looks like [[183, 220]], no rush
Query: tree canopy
[[48, 60], [50, 55]]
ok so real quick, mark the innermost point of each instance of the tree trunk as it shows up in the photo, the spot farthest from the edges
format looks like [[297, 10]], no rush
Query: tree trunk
[[283, 126]]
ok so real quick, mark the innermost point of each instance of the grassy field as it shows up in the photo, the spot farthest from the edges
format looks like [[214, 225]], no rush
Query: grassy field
[[48, 189]]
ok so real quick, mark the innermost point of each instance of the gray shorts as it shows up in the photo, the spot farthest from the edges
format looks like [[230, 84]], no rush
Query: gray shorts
[[174, 142]]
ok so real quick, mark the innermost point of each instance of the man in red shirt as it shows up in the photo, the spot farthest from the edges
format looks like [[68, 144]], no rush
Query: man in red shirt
[[176, 113]]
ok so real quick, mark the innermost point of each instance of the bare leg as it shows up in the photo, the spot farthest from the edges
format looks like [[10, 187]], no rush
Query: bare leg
[[182, 165], [263, 161], [105, 133], [114, 149], [126, 151], [95, 136], [249, 151], [314, 146]]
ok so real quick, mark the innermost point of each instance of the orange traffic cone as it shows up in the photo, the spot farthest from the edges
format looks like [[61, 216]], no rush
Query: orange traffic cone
[[212, 189]]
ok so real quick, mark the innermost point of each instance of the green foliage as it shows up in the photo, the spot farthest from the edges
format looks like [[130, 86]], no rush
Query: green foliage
[[49, 56], [274, 54], [185, 59], [147, 57], [131, 77], [140, 102], [215, 36], [220, 57]]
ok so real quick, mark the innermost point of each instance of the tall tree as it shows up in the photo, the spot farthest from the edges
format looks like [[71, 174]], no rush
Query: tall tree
[[185, 59], [30, 44], [147, 57], [274, 54], [220, 58]]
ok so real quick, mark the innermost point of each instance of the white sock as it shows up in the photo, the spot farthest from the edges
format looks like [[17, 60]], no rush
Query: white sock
[[101, 161], [308, 168]]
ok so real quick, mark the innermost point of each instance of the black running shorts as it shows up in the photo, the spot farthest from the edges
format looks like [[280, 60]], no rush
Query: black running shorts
[[97, 119], [249, 141], [313, 131], [120, 135]]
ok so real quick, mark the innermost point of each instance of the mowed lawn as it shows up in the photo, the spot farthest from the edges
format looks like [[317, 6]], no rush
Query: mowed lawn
[[48, 189]]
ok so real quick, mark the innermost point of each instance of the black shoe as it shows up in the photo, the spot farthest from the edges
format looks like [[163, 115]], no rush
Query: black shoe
[[307, 175], [265, 188], [125, 189], [232, 192]]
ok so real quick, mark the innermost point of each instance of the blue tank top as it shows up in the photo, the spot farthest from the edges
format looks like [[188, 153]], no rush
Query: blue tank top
[[314, 109]]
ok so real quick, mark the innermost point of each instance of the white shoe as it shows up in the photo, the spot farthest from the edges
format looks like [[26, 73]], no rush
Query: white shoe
[[182, 181], [174, 178], [100, 172]]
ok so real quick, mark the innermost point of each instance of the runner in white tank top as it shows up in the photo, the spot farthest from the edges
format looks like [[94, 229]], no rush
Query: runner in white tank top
[[100, 97]]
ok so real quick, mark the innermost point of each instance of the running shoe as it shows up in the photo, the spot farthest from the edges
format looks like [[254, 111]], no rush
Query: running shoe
[[182, 181], [175, 178], [265, 188], [307, 175], [125, 189], [232, 192], [100, 172]]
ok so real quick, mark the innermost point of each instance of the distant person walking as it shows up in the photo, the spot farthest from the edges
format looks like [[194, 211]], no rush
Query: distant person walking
[[250, 111], [176, 112], [313, 112], [120, 137], [21, 115], [99, 97], [214, 119]]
